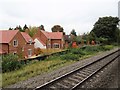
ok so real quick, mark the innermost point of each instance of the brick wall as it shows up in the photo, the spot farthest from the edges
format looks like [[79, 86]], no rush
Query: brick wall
[[4, 47], [22, 47]]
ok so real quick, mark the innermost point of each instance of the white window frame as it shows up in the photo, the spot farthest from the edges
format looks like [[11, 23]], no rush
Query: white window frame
[[30, 41], [54, 45], [15, 43], [29, 52]]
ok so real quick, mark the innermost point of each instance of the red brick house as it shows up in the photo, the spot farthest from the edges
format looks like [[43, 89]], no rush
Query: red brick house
[[44, 39], [16, 42]]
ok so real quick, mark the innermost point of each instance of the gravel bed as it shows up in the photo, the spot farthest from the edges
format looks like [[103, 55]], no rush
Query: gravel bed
[[107, 78], [43, 78]]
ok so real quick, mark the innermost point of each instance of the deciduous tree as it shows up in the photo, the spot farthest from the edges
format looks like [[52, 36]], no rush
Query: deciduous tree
[[73, 32], [25, 27], [41, 27], [57, 28], [106, 27]]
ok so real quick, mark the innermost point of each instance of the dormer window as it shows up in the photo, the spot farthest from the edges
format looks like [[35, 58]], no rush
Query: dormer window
[[15, 43], [30, 41]]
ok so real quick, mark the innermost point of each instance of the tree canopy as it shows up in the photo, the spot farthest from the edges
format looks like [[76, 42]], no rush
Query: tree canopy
[[10, 28], [106, 27], [73, 32], [32, 30], [41, 27], [25, 27], [57, 28]]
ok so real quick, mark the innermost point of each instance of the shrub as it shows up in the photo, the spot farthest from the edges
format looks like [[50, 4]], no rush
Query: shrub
[[77, 51], [91, 49], [38, 51], [10, 62], [69, 57], [108, 47]]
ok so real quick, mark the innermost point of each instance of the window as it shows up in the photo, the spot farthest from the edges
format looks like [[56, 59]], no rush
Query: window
[[15, 43], [29, 52], [30, 41], [56, 45], [14, 53]]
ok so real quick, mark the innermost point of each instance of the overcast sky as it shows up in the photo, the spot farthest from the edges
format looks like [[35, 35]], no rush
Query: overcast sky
[[70, 14]]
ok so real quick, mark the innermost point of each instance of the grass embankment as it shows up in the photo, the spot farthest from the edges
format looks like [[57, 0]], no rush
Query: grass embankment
[[54, 62], [33, 69]]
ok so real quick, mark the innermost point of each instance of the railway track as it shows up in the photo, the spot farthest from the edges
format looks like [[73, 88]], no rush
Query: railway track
[[74, 79]]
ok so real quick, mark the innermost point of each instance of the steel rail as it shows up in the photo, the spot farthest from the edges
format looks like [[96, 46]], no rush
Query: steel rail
[[96, 71], [71, 72]]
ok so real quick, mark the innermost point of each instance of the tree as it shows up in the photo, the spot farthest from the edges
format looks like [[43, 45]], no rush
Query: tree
[[106, 27], [16, 28], [78, 39], [20, 28], [92, 36], [10, 28], [32, 31], [73, 32], [118, 35], [57, 28], [25, 27], [41, 27], [85, 38]]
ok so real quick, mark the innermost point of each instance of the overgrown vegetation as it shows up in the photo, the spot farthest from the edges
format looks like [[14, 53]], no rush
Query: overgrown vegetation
[[77, 53], [10, 63], [33, 69], [70, 57], [51, 63]]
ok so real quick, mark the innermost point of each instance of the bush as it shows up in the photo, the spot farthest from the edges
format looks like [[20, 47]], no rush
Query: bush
[[108, 47], [77, 51], [10, 62], [38, 51], [92, 49], [69, 57]]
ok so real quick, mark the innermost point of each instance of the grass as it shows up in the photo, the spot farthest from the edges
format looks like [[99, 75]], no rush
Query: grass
[[33, 69], [52, 63]]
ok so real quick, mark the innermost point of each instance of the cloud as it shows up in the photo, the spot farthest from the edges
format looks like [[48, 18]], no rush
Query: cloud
[[78, 14]]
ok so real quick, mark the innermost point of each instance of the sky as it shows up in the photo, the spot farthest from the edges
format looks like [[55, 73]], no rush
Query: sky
[[80, 15]]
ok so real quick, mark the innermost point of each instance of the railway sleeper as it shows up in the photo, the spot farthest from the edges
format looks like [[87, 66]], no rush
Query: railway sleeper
[[61, 85], [78, 77]]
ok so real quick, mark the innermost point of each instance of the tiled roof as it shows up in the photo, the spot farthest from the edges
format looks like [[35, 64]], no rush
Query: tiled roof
[[53, 35], [41, 41], [7, 35], [27, 37]]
